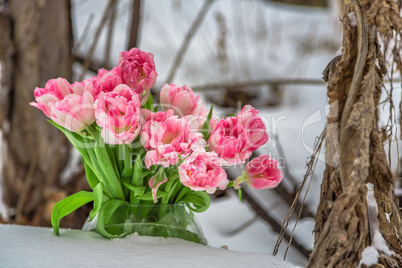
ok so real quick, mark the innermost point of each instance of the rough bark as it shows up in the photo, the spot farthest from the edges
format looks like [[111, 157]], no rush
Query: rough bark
[[354, 149], [35, 47]]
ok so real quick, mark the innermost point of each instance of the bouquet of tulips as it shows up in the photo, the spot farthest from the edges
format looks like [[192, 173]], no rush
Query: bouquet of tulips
[[139, 153]]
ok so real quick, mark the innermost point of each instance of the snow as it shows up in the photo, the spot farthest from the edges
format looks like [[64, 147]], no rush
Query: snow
[[221, 223], [75, 248], [369, 256], [370, 253], [353, 19]]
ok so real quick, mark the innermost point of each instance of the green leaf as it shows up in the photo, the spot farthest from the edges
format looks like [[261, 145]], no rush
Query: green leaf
[[137, 190], [149, 104], [105, 213], [98, 199], [148, 196], [197, 201], [111, 180], [182, 193], [77, 140], [138, 170], [114, 158], [97, 169], [232, 115], [205, 128], [68, 205], [173, 190], [92, 179], [128, 163]]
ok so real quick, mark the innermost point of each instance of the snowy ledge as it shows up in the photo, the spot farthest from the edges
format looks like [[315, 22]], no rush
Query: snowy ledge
[[25, 246]]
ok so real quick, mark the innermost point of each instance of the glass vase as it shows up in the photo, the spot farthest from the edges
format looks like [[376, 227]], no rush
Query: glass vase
[[172, 220]]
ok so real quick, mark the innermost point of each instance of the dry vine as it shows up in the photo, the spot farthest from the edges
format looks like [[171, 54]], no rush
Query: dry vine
[[355, 155], [309, 174]]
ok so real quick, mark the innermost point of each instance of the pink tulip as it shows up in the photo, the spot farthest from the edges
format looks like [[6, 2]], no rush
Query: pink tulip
[[79, 88], [162, 154], [74, 112], [109, 79], [171, 131], [138, 71], [118, 113], [165, 140], [70, 106], [54, 91], [147, 115], [202, 171], [234, 138], [182, 100], [261, 173], [251, 121]]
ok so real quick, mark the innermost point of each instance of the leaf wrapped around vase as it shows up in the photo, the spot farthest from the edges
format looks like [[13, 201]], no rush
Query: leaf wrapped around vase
[[147, 168]]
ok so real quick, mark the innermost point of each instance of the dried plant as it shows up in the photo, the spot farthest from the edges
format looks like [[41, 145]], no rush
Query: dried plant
[[355, 155]]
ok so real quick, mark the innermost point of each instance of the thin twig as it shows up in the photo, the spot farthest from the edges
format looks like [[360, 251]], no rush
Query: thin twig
[[309, 173], [282, 81], [270, 82], [276, 227], [98, 31], [93, 66], [84, 34], [301, 208], [281, 152], [135, 24], [110, 34], [286, 196], [194, 27], [242, 227]]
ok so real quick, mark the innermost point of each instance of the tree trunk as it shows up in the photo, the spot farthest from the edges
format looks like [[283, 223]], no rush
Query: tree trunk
[[35, 46], [358, 207]]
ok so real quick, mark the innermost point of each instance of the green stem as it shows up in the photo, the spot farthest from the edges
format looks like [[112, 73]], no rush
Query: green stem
[[104, 166]]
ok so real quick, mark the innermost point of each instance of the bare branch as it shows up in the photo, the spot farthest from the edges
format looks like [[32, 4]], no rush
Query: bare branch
[[284, 81], [187, 39], [105, 17], [135, 24], [276, 227], [110, 34], [309, 173], [286, 195]]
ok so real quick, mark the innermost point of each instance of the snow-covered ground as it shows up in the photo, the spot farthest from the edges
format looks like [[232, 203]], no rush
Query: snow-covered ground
[[38, 247]]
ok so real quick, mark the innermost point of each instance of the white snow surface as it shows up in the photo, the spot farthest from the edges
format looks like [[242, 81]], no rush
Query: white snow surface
[[370, 254], [24, 246]]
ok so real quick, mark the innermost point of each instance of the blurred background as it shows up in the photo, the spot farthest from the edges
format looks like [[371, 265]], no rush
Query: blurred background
[[269, 54]]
